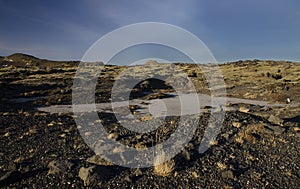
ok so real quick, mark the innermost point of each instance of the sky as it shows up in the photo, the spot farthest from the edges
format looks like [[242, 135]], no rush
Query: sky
[[231, 29]]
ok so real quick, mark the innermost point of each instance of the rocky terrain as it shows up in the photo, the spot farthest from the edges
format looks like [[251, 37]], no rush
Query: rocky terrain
[[258, 146]]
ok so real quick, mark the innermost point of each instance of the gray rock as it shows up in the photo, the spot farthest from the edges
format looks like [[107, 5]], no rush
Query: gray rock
[[87, 175], [58, 167], [227, 175], [94, 175], [138, 172], [128, 179], [275, 120], [277, 130], [186, 154]]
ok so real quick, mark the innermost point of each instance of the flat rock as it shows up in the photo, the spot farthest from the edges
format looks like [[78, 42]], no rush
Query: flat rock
[[94, 175], [275, 120], [244, 109], [58, 167]]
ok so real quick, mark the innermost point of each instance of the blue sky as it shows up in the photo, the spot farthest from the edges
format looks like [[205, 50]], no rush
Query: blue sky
[[232, 29]]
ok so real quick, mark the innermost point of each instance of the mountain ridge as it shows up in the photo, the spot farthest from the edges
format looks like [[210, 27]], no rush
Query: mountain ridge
[[25, 60]]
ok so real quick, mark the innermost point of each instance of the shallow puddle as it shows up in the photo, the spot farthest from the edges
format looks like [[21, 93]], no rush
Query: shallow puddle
[[175, 105]]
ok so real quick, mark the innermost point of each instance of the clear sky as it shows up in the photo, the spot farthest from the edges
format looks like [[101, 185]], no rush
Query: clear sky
[[232, 29]]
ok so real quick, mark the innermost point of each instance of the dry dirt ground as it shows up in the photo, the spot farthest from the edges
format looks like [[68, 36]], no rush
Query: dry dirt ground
[[258, 146]]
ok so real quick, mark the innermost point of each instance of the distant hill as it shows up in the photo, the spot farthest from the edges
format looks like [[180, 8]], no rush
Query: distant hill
[[24, 60], [21, 57]]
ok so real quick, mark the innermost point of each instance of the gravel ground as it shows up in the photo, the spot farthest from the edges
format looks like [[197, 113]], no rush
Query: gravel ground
[[258, 146], [46, 150]]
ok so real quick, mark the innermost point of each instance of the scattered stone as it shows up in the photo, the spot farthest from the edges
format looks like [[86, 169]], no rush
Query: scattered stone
[[213, 142], [112, 136], [51, 124], [236, 124], [94, 175], [228, 187], [138, 172], [244, 109], [195, 174], [19, 160], [297, 129], [186, 154], [138, 137], [40, 114], [6, 134], [63, 135], [5, 113], [227, 174], [58, 167], [31, 150], [87, 175], [221, 165], [175, 174], [26, 114], [32, 131]]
